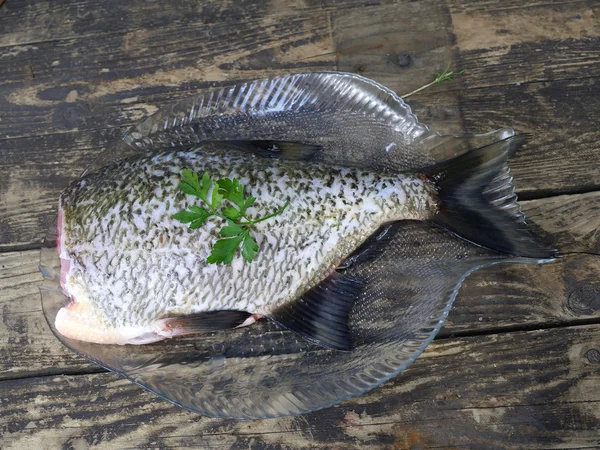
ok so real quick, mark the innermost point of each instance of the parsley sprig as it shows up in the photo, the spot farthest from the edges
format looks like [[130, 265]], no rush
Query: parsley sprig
[[225, 199], [440, 77]]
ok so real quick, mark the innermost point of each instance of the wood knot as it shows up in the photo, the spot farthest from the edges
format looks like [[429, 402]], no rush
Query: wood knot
[[399, 59], [593, 356], [584, 300], [360, 68], [403, 60]]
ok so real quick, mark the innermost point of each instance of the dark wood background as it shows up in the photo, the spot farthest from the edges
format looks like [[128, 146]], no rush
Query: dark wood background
[[517, 364]]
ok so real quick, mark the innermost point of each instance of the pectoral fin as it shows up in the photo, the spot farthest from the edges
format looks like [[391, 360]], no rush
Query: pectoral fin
[[204, 321]]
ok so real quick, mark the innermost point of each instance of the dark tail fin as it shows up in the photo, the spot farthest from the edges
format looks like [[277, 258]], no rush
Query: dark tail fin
[[477, 201]]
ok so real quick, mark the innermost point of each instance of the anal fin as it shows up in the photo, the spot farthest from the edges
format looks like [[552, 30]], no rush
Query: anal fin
[[321, 314]]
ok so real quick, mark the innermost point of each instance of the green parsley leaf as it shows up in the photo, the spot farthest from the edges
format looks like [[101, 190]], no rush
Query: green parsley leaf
[[224, 250], [188, 189], [249, 247], [248, 203], [232, 229], [189, 182], [225, 184], [190, 177], [205, 187], [217, 198], [232, 190], [198, 223], [197, 210], [195, 215], [231, 213], [185, 216]]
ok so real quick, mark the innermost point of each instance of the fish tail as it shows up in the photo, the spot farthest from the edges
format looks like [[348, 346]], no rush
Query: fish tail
[[477, 201]]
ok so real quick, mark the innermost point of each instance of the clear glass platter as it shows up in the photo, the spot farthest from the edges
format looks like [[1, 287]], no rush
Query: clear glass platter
[[263, 370]]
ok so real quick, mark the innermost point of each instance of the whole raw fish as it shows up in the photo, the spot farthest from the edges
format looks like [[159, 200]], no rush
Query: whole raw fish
[[136, 275]]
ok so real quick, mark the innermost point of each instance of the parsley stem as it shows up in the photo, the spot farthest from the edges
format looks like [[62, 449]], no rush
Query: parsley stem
[[276, 213], [422, 88]]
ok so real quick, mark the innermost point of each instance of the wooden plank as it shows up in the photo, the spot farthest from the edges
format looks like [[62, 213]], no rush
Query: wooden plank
[[497, 298], [89, 83], [525, 62], [26, 22], [40, 77], [497, 42], [30, 186], [510, 6], [532, 390], [550, 53], [27, 346], [567, 291], [563, 149], [369, 41]]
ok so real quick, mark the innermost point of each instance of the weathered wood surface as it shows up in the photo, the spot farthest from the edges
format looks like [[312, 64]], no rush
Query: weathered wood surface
[[74, 75], [534, 389]]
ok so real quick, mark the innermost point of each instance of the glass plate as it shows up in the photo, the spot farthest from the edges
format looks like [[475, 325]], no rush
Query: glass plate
[[263, 370]]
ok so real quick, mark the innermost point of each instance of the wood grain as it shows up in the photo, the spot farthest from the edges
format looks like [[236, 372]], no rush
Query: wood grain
[[500, 298], [89, 83], [27, 346], [563, 152], [538, 79], [517, 390], [30, 186], [25, 22]]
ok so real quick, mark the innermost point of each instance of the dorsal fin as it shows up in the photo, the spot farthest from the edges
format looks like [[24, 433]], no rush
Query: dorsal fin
[[355, 120]]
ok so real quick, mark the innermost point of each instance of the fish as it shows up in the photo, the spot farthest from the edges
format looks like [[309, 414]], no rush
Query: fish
[[135, 275]]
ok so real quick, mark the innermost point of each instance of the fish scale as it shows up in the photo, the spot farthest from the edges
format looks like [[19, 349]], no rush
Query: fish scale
[[131, 251]]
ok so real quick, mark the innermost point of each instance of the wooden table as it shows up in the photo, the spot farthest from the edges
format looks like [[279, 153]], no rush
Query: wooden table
[[517, 364]]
